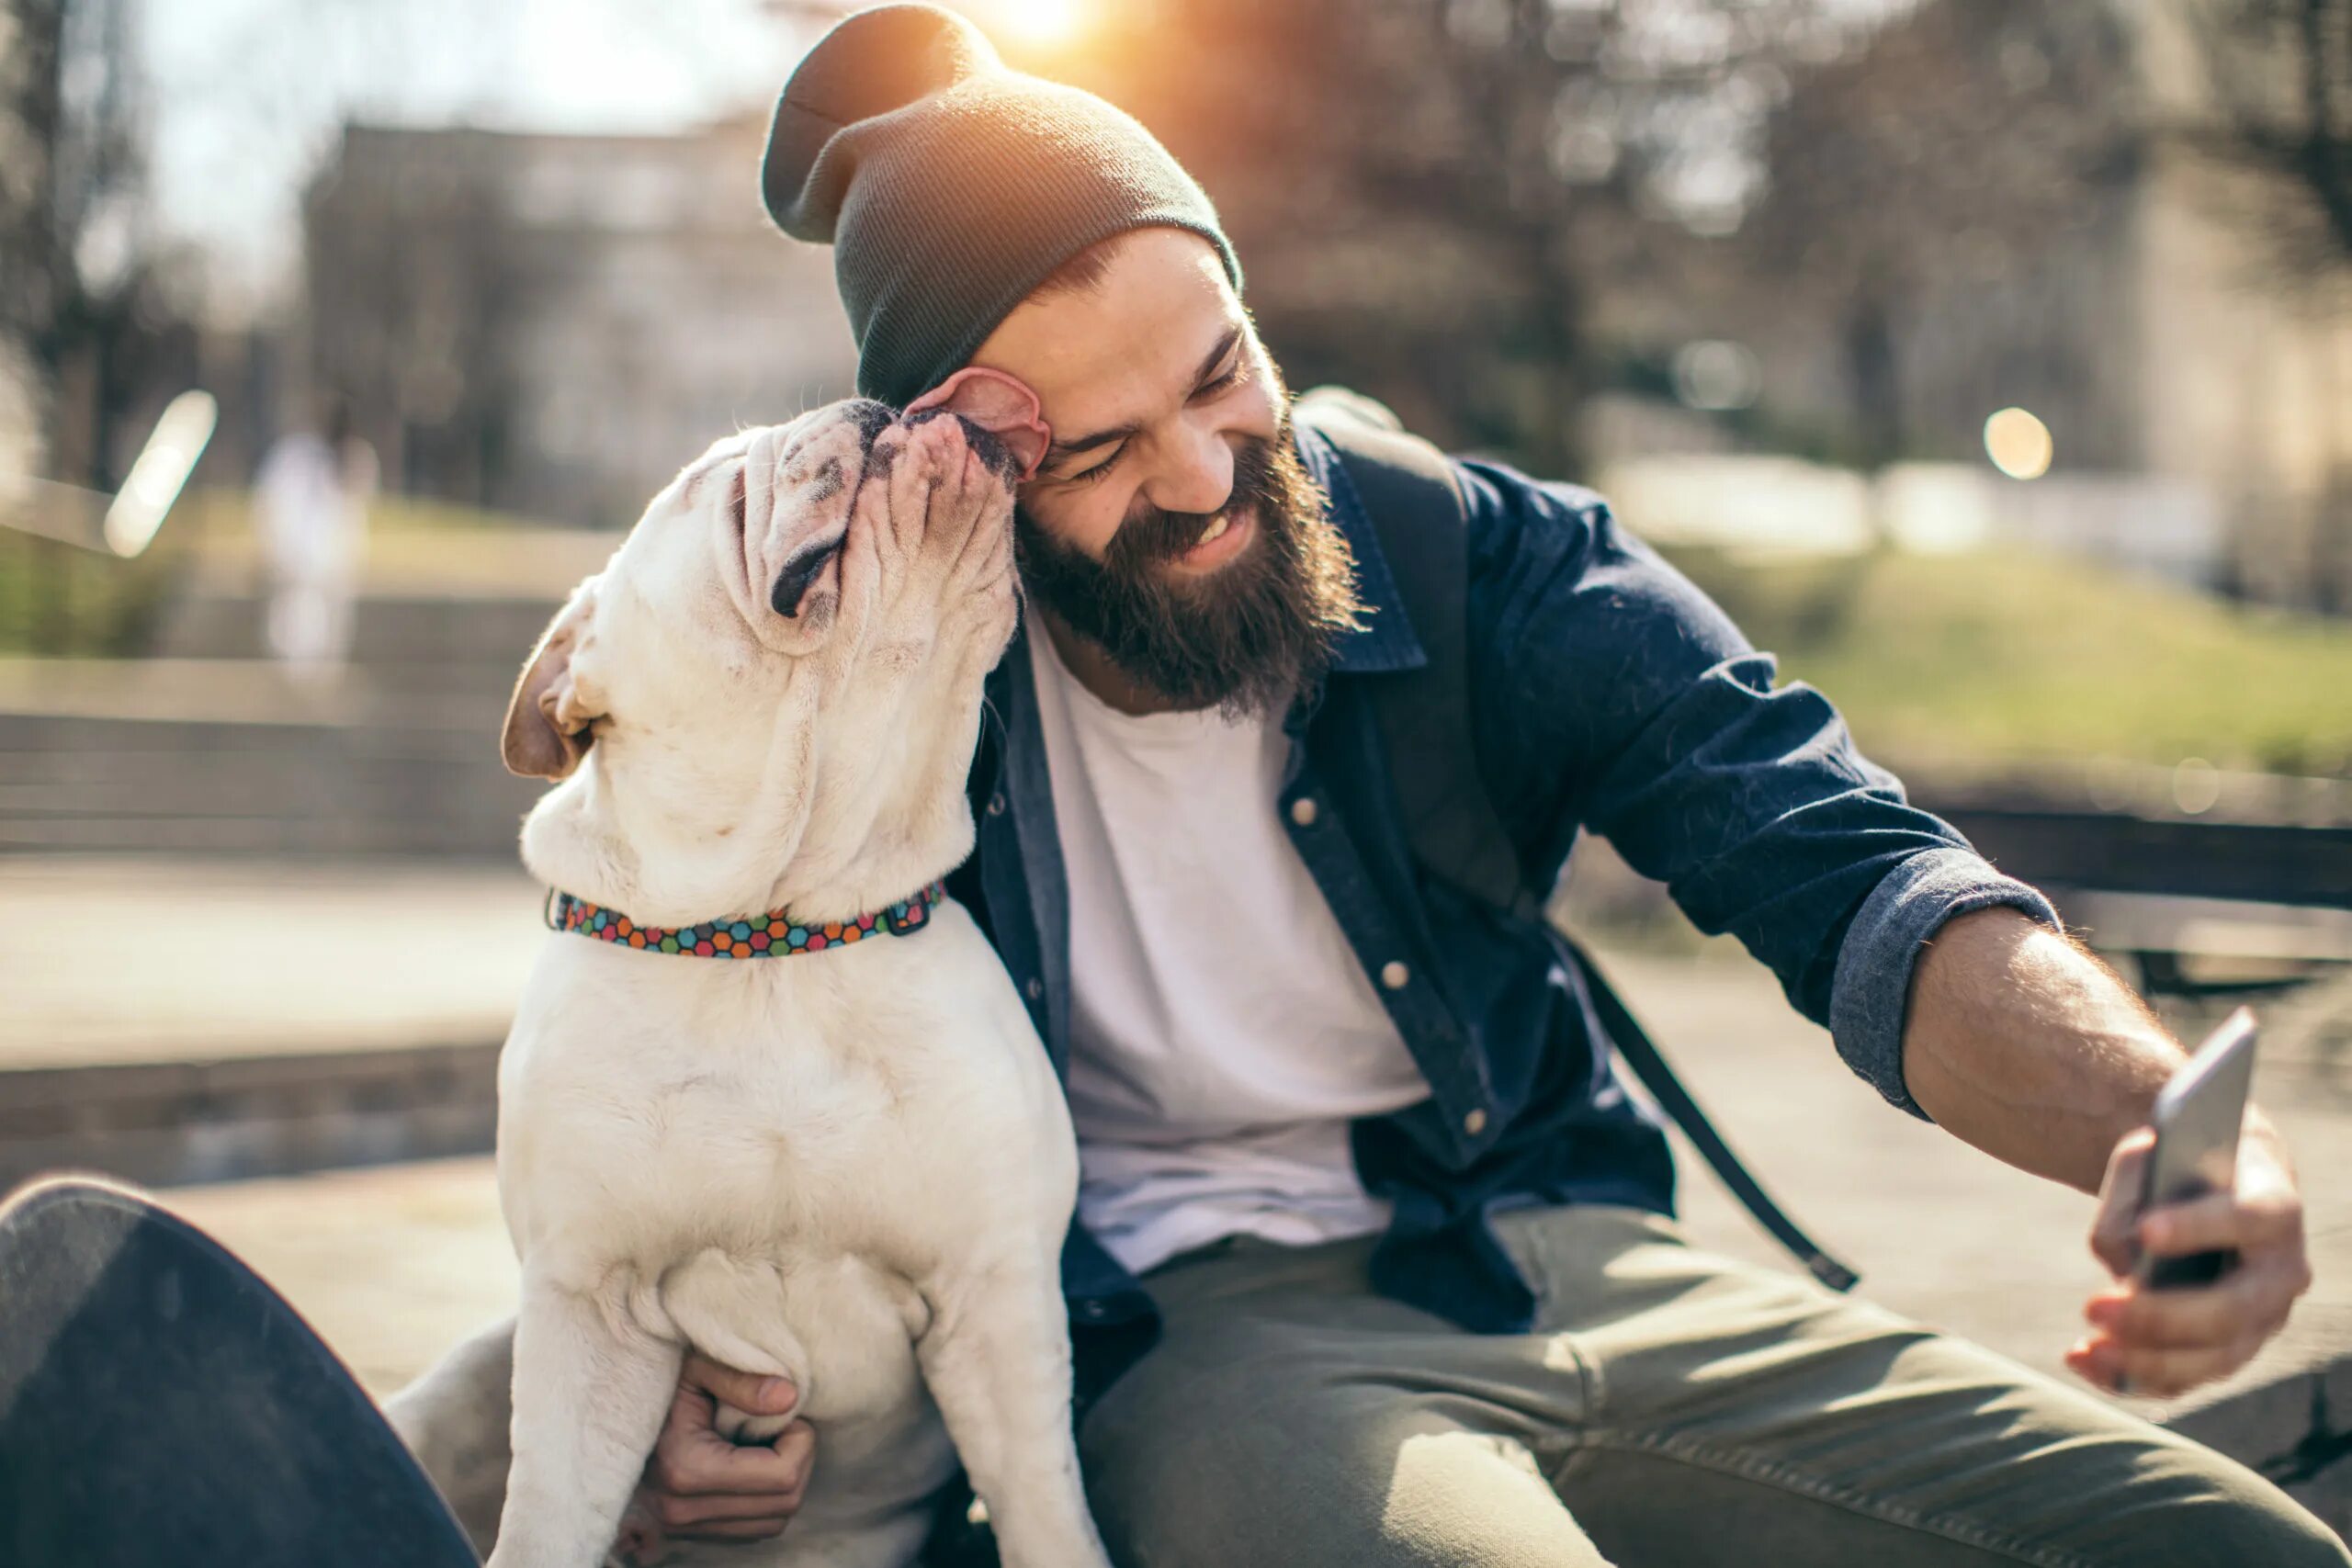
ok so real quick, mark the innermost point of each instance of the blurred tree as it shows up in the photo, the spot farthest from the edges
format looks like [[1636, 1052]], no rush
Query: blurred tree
[[2280, 77], [413, 266], [80, 292], [2280, 73], [1458, 172], [84, 338], [32, 34], [1964, 145]]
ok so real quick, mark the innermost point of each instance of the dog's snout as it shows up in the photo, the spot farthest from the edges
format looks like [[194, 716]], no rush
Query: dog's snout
[[792, 583]]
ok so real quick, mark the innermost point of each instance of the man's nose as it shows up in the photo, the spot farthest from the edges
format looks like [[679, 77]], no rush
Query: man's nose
[[1194, 474]]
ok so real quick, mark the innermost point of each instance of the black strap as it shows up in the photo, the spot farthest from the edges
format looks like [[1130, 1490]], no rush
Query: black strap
[[1403, 481], [1405, 485], [1641, 1054]]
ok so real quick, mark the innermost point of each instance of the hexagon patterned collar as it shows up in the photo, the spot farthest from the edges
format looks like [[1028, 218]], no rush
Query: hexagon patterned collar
[[772, 935]]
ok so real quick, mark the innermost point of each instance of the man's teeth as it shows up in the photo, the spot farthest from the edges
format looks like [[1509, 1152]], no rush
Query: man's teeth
[[1213, 530]]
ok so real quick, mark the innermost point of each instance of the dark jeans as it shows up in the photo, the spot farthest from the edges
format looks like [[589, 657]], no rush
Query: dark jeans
[[160, 1407]]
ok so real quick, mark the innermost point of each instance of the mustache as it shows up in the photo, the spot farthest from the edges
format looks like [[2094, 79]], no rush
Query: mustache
[[1152, 535]]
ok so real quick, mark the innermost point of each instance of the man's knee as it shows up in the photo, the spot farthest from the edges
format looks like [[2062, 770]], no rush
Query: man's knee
[[455, 1419], [2136, 1495], [2225, 1516]]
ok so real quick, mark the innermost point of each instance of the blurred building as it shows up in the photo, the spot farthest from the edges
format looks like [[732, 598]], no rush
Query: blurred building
[[554, 324], [1979, 211]]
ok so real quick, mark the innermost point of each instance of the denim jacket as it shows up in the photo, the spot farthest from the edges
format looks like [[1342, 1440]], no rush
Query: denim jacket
[[1608, 694]]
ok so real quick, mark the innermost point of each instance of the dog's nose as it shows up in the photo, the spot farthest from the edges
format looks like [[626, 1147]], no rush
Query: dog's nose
[[870, 417], [792, 582]]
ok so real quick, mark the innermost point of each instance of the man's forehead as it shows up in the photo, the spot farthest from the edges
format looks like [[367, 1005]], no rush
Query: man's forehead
[[1123, 346]]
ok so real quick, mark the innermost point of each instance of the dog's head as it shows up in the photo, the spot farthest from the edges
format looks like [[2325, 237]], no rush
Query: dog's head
[[770, 695]]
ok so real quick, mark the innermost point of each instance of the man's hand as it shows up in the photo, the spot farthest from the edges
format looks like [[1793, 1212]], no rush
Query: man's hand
[[2166, 1342], [700, 1486]]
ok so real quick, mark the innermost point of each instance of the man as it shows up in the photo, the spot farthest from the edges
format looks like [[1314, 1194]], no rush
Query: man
[[1373, 1263], [310, 502]]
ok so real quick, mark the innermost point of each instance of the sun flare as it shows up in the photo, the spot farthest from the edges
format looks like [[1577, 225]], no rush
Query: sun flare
[[1042, 24]]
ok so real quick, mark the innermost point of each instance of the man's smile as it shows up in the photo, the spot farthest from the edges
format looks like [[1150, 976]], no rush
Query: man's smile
[[1224, 538]]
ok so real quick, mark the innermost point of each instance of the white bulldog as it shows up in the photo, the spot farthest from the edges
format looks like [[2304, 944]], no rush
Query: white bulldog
[[849, 1165]]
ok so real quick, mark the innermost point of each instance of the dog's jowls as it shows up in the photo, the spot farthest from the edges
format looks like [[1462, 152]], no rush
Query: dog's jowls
[[854, 1167]]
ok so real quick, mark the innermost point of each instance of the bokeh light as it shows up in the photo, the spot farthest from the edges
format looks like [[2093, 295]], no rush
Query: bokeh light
[[1715, 375], [2196, 786], [2019, 444]]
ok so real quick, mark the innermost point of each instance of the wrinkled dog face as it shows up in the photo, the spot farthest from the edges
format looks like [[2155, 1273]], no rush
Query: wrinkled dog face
[[793, 636]]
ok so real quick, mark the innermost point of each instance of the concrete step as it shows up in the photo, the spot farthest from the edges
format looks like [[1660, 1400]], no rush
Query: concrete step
[[409, 696], [169, 1123], [385, 629], [116, 961], [410, 691], [116, 785]]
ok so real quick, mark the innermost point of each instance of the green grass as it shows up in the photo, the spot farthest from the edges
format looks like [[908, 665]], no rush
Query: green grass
[[1974, 664], [227, 514], [58, 599], [55, 599]]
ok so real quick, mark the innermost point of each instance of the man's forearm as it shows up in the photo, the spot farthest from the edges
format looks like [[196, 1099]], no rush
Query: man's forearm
[[2021, 1043]]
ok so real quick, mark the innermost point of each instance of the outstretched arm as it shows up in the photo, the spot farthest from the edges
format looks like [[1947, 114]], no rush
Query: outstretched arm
[[2018, 1041], [1610, 695]]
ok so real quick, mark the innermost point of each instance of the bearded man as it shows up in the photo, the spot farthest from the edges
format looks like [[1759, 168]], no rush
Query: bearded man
[[1373, 1262]]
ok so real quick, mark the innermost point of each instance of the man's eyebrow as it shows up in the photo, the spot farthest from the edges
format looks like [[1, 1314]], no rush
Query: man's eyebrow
[[1061, 449]]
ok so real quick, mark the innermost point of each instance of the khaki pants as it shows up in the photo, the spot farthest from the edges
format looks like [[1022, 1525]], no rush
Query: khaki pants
[[1671, 1408]]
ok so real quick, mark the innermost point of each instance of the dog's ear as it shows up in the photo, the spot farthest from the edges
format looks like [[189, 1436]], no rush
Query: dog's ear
[[998, 405], [549, 725]]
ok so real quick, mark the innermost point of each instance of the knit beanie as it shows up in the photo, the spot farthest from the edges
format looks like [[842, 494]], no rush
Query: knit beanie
[[950, 186]]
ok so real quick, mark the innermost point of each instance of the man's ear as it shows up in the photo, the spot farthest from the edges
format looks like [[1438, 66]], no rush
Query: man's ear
[[549, 723]]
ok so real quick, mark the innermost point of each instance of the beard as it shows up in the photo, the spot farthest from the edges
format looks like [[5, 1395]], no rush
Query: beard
[[1244, 639]]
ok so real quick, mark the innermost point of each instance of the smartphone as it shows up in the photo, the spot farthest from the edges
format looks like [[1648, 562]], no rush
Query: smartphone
[[2197, 1120]]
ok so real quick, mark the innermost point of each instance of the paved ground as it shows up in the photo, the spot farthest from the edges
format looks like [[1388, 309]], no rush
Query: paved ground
[[392, 1265], [120, 961], [127, 960]]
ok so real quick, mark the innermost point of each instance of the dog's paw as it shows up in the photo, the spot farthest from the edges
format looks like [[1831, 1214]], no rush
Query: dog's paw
[[945, 528], [742, 1429]]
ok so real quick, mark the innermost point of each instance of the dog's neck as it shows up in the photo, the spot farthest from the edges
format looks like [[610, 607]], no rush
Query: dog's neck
[[826, 832]]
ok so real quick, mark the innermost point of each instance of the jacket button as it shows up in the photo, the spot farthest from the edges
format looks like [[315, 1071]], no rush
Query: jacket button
[[996, 803], [1474, 1123], [1301, 811], [1395, 976], [1090, 1310], [1034, 989]]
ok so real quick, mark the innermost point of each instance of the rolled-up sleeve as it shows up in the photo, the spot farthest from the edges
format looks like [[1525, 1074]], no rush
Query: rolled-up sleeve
[[1871, 993], [1609, 693]]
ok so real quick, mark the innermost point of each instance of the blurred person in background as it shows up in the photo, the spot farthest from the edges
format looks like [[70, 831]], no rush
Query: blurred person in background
[[310, 502]]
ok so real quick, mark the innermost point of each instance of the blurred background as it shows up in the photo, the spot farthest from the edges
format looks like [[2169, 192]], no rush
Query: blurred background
[[1991, 360]]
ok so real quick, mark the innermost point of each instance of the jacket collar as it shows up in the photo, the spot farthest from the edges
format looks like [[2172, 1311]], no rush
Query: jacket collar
[[1385, 642]]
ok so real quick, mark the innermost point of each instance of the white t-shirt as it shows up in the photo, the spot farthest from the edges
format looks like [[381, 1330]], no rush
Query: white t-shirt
[[1223, 1034]]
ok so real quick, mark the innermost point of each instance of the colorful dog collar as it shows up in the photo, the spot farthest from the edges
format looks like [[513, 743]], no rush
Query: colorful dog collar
[[772, 935]]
